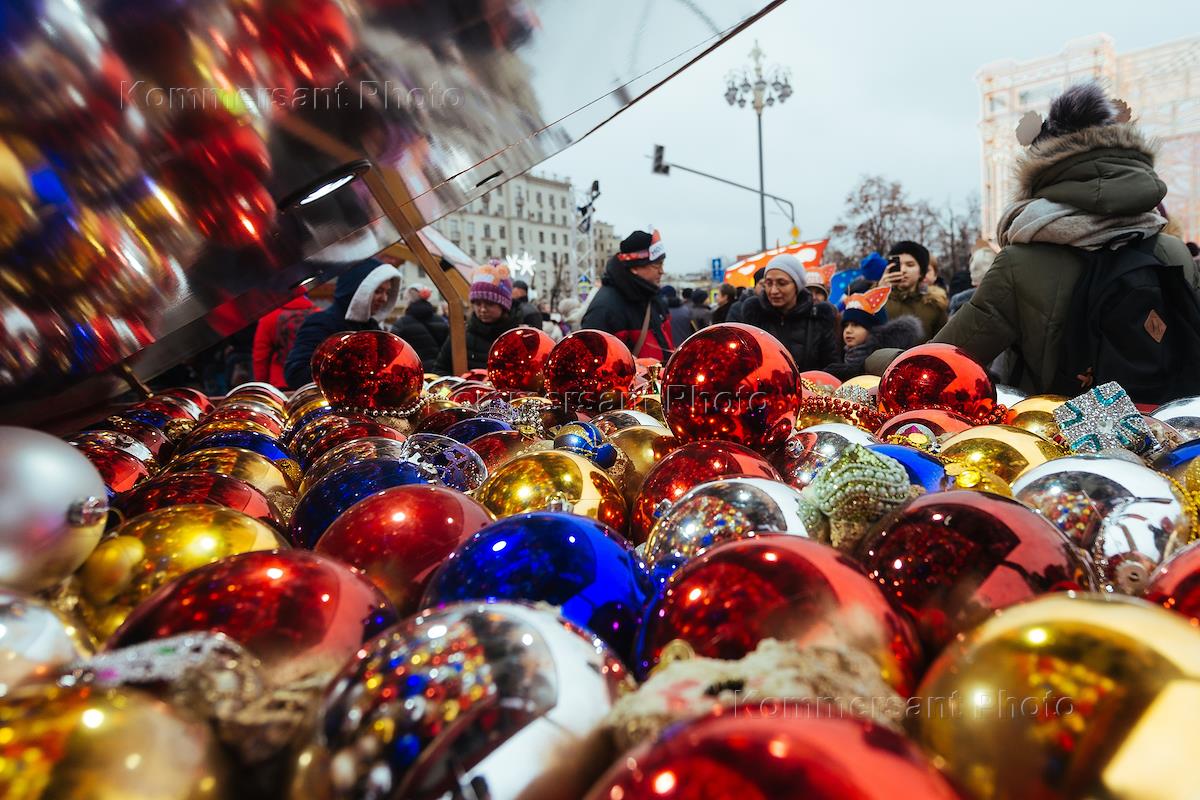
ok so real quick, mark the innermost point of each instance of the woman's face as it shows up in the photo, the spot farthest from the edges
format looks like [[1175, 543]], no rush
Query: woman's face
[[487, 311], [379, 297], [779, 289]]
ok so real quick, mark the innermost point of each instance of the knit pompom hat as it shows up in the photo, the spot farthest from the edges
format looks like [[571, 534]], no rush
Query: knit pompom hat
[[492, 282]]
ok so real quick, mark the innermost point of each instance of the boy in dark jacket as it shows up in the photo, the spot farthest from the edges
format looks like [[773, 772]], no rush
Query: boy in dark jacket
[[629, 294], [491, 302], [365, 294], [782, 307], [865, 329], [422, 327]]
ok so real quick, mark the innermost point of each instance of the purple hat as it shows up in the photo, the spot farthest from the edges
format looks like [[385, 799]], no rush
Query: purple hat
[[492, 282]]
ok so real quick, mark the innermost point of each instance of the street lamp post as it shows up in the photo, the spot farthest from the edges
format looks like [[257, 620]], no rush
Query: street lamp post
[[761, 87]]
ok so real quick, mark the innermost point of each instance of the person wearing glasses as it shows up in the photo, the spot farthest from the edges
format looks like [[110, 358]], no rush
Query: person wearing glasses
[[628, 304], [784, 308]]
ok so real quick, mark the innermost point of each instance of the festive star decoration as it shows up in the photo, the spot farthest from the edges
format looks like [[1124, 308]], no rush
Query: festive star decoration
[[520, 265], [1102, 418]]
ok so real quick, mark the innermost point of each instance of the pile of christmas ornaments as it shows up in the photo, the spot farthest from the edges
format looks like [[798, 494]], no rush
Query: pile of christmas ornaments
[[579, 575]]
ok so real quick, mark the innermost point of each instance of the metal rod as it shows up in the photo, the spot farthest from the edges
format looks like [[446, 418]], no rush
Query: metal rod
[[762, 193], [775, 197]]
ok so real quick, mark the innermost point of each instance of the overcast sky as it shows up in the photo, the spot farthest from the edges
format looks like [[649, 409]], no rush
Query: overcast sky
[[896, 97]]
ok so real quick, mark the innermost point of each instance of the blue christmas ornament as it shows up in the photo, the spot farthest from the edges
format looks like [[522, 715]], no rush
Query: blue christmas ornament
[[574, 562], [455, 464], [469, 430], [299, 424], [923, 469], [146, 416], [260, 443], [329, 497], [585, 439]]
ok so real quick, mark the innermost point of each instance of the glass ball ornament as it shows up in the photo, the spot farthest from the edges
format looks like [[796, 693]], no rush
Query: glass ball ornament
[[576, 563], [245, 465], [453, 463], [610, 422], [118, 441], [248, 411], [257, 441], [199, 398], [933, 424], [517, 360], [937, 376], [725, 601], [352, 452], [1183, 415], [400, 536], [148, 551], [341, 488], [449, 701], [154, 439], [438, 422], [923, 469], [1175, 583], [53, 509], [734, 383], [642, 446], [35, 641], [119, 470], [589, 370], [340, 434], [766, 752], [1000, 449], [471, 429], [186, 488], [554, 480], [687, 467], [301, 614], [1127, 516], [496, 448], [369, 370], [952, 559], [1066, 696]]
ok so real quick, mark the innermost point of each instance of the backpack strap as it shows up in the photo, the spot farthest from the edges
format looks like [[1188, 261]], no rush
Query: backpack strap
[[641, 342]]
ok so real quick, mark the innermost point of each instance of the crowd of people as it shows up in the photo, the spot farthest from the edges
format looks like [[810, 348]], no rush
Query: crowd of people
[[1087, 221]]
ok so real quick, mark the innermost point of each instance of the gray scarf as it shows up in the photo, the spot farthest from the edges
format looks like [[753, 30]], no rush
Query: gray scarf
[[1046, 222]]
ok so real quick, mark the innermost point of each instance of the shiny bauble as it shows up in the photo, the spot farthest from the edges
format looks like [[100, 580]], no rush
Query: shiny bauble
[[471, 392], [148, 551], [952, 559], [352, 452], [850, 433], [591, 370], [439, 421], [35, 640], [375, 370], [245, 465], [93, 742], [1127, 516], [456, 697], [687, 467], [556, 481], [301, 420], [806, 453], [1178, 463], [776, 750], [301, 614], [452, 463], [207, 488], [471, 429], [154, 439], [173, 407], [517, 360], [821, 380], [498, 447], [1009, 396], [340, 434], [925, 421], [612, 421], [119, 470], [722, 511], [52, 509], [119, 441], [183, 433], [248, 411], [302, 397], [199, 398], [725, 601], [269, 393], [1036, 414], [341, 488], [1183, 415], [565, 560], [1001, 449], [923, 469], [306, 437], [1065, 696], [260, 442], [643, 446], [937, 376], [1175, 584], [399, 536], [734, 383]]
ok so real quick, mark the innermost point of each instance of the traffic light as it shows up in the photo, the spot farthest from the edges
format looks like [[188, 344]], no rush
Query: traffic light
[[660, 167]]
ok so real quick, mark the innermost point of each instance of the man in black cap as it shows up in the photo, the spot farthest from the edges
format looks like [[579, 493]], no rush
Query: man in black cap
[[523, 311], [628, 304]]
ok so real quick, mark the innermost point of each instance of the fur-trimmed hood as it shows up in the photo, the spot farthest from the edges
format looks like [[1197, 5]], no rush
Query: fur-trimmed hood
[[901, 333], [358, 306], [1105, 170]]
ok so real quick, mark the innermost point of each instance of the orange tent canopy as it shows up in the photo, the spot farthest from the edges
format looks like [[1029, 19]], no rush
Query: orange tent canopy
[[809, 253]]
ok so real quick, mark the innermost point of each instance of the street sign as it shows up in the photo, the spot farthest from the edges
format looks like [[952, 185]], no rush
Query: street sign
[[718, 271]]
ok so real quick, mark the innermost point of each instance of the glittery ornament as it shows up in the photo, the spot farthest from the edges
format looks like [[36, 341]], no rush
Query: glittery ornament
[[454, 464], [853, 493], [1103, 417]]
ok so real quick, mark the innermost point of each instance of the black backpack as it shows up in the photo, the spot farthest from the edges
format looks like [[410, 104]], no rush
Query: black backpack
[[1133, 320]]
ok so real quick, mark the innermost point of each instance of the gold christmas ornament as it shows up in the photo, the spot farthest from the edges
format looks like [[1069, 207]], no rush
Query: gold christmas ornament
[[553, 480], [1001, 449], [257, 470], [1068, 697], [643, 446], [151, 549]]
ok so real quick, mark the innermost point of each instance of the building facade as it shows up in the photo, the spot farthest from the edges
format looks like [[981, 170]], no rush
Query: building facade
[[1161, 84]]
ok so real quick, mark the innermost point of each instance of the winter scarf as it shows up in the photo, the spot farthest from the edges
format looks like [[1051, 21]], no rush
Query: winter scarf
[[1046, 222]]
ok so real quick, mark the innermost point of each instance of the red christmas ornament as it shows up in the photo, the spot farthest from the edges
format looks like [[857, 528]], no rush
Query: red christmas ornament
[[240, 412], [590, 370], [347, 433], [196, 396], [232, 207], [470, 392], [770, 750], [951, 559], [119, 470], [310, 39], [369, 370], [821, 378], [688, 467], [441, 420], [183, 488], [173, 407], [727, 600], [301, 614], [154, 439], [937, 376], [517, 360], [399, 536], [307, 437], [939, 423], [731, 382], [497, 447], [1175, 584]]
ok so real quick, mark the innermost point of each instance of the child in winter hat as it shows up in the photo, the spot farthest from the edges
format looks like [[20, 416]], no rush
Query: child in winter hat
[[492, 283], [865, 329]]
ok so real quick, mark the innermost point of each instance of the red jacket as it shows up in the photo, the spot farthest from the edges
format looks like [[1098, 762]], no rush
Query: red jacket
[[269, 352]]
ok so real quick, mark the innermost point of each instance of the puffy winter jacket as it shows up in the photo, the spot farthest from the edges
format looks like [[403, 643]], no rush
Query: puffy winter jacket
[[928, 304], [808, 330], [270, 351], [619, 308], [425, 330]]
